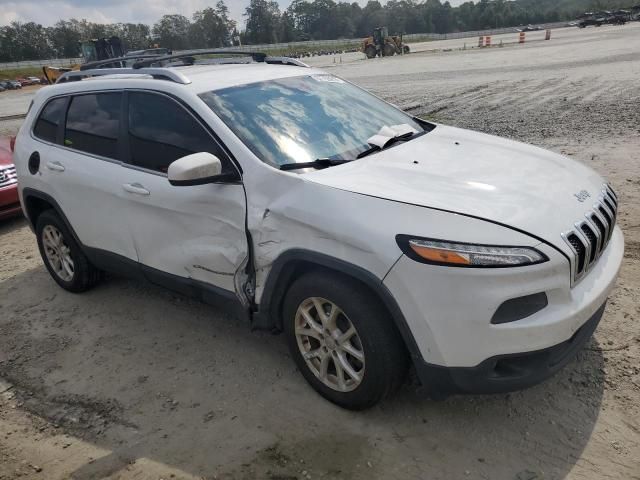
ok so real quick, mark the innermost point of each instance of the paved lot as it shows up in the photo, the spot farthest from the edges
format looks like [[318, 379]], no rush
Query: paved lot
[[129, 381]]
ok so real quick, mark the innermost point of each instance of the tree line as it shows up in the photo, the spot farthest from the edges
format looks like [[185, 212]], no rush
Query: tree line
[[302, 20]]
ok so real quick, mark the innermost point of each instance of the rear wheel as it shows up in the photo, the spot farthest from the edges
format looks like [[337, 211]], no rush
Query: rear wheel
[[62, 255], [406, 49], [343, 341]]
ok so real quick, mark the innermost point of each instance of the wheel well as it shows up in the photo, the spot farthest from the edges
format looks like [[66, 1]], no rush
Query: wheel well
[[34, 207], [286, 271], [289, 273]]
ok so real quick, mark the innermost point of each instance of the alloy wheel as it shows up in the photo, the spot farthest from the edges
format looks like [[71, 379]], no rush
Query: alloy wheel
[[329, 344], [58, 253]]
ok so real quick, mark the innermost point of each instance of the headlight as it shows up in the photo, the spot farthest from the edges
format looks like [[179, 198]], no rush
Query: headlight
[[456, 254]]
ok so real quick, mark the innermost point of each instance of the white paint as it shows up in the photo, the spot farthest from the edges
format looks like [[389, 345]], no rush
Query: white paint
[[194, 167]]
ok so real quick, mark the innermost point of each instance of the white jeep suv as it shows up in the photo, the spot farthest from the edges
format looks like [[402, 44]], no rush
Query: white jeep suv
[[375, 241]]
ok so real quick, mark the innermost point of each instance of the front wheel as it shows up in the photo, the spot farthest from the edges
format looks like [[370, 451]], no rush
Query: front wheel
[[370, 51], [343, 341], [388, 50]]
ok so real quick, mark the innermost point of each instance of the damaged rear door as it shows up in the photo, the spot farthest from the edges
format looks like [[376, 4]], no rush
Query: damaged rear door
[[194, 232]]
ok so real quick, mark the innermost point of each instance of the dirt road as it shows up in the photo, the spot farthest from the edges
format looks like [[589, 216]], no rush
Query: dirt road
[[129, 381]]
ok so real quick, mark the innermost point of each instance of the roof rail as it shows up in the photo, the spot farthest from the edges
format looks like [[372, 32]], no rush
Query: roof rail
[[110, 61], [257, 56], [157, 73], [190, 60], [286, 61]]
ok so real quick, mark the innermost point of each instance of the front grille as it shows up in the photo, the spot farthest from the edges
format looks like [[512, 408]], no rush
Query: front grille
[[589, 237], [8, 176]]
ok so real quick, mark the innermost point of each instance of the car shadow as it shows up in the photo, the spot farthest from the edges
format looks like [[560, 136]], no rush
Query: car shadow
[[146, 373], [8, 225]]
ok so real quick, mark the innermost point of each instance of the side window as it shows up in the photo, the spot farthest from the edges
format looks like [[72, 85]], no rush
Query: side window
[[161, 131], [46, 127], [93, 123]]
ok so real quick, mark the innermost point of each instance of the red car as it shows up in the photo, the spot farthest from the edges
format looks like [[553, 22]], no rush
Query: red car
[[9, 202]]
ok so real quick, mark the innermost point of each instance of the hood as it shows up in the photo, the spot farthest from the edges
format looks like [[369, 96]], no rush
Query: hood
[[475, 174]]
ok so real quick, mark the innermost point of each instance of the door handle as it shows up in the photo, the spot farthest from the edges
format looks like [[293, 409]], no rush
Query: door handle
[[55, 166], [135, 188]]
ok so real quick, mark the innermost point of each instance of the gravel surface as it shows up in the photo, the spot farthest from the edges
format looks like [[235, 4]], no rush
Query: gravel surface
[[130, 381]]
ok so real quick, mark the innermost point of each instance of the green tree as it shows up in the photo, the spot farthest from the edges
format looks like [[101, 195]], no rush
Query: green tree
[[211, 27], [24, 41], [64, 39], [135, 36], [263, 21], [172, 31]]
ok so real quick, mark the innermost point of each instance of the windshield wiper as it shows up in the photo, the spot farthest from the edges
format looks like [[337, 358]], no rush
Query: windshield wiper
[[391, 141], [317, 163], [330, 162], [369, 151]]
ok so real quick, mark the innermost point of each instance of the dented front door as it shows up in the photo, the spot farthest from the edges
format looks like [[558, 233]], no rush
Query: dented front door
[[194, 232]]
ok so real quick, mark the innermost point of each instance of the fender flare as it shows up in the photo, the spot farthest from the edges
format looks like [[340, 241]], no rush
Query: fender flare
[[282, 274], [28, 193]]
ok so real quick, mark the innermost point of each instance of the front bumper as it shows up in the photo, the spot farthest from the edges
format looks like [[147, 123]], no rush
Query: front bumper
[[448, 310], [506, 373], [9, 202]]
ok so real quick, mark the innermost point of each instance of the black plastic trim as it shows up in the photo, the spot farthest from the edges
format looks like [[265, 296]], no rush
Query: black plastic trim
[[269, 314], [403, 243], [507, 373], [518, 308], [225, 178], [210, 294]]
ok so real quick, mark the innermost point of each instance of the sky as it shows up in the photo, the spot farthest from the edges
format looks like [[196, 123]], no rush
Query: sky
[[48, 12]]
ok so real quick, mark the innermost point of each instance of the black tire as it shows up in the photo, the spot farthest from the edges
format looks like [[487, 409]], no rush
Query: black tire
[[370, 51], [406, 49], [85, 275], [385, 357], [388, 50]]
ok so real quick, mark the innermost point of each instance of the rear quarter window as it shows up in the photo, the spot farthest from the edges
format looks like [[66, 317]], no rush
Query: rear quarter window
[[46, 127]]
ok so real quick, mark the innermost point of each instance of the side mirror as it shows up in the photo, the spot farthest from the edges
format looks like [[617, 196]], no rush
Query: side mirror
[[196, 169]]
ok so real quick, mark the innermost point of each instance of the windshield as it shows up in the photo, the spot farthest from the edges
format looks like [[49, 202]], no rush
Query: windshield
[[300, 119]]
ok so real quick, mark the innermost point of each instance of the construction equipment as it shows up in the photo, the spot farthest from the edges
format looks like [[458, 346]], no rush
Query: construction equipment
[[96, 50], [380, 44]]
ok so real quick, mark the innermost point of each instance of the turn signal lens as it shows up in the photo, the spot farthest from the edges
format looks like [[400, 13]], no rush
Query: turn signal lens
[[442, 252], [439, 255]]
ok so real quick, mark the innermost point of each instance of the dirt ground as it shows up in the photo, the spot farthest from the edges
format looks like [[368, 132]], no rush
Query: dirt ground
[[132, 382]]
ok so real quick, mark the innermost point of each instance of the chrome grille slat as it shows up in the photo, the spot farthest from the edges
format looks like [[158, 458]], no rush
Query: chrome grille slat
[[612, 194], [599, 230], [589, 237], [604, 222], [609, 215], [8, 176]]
